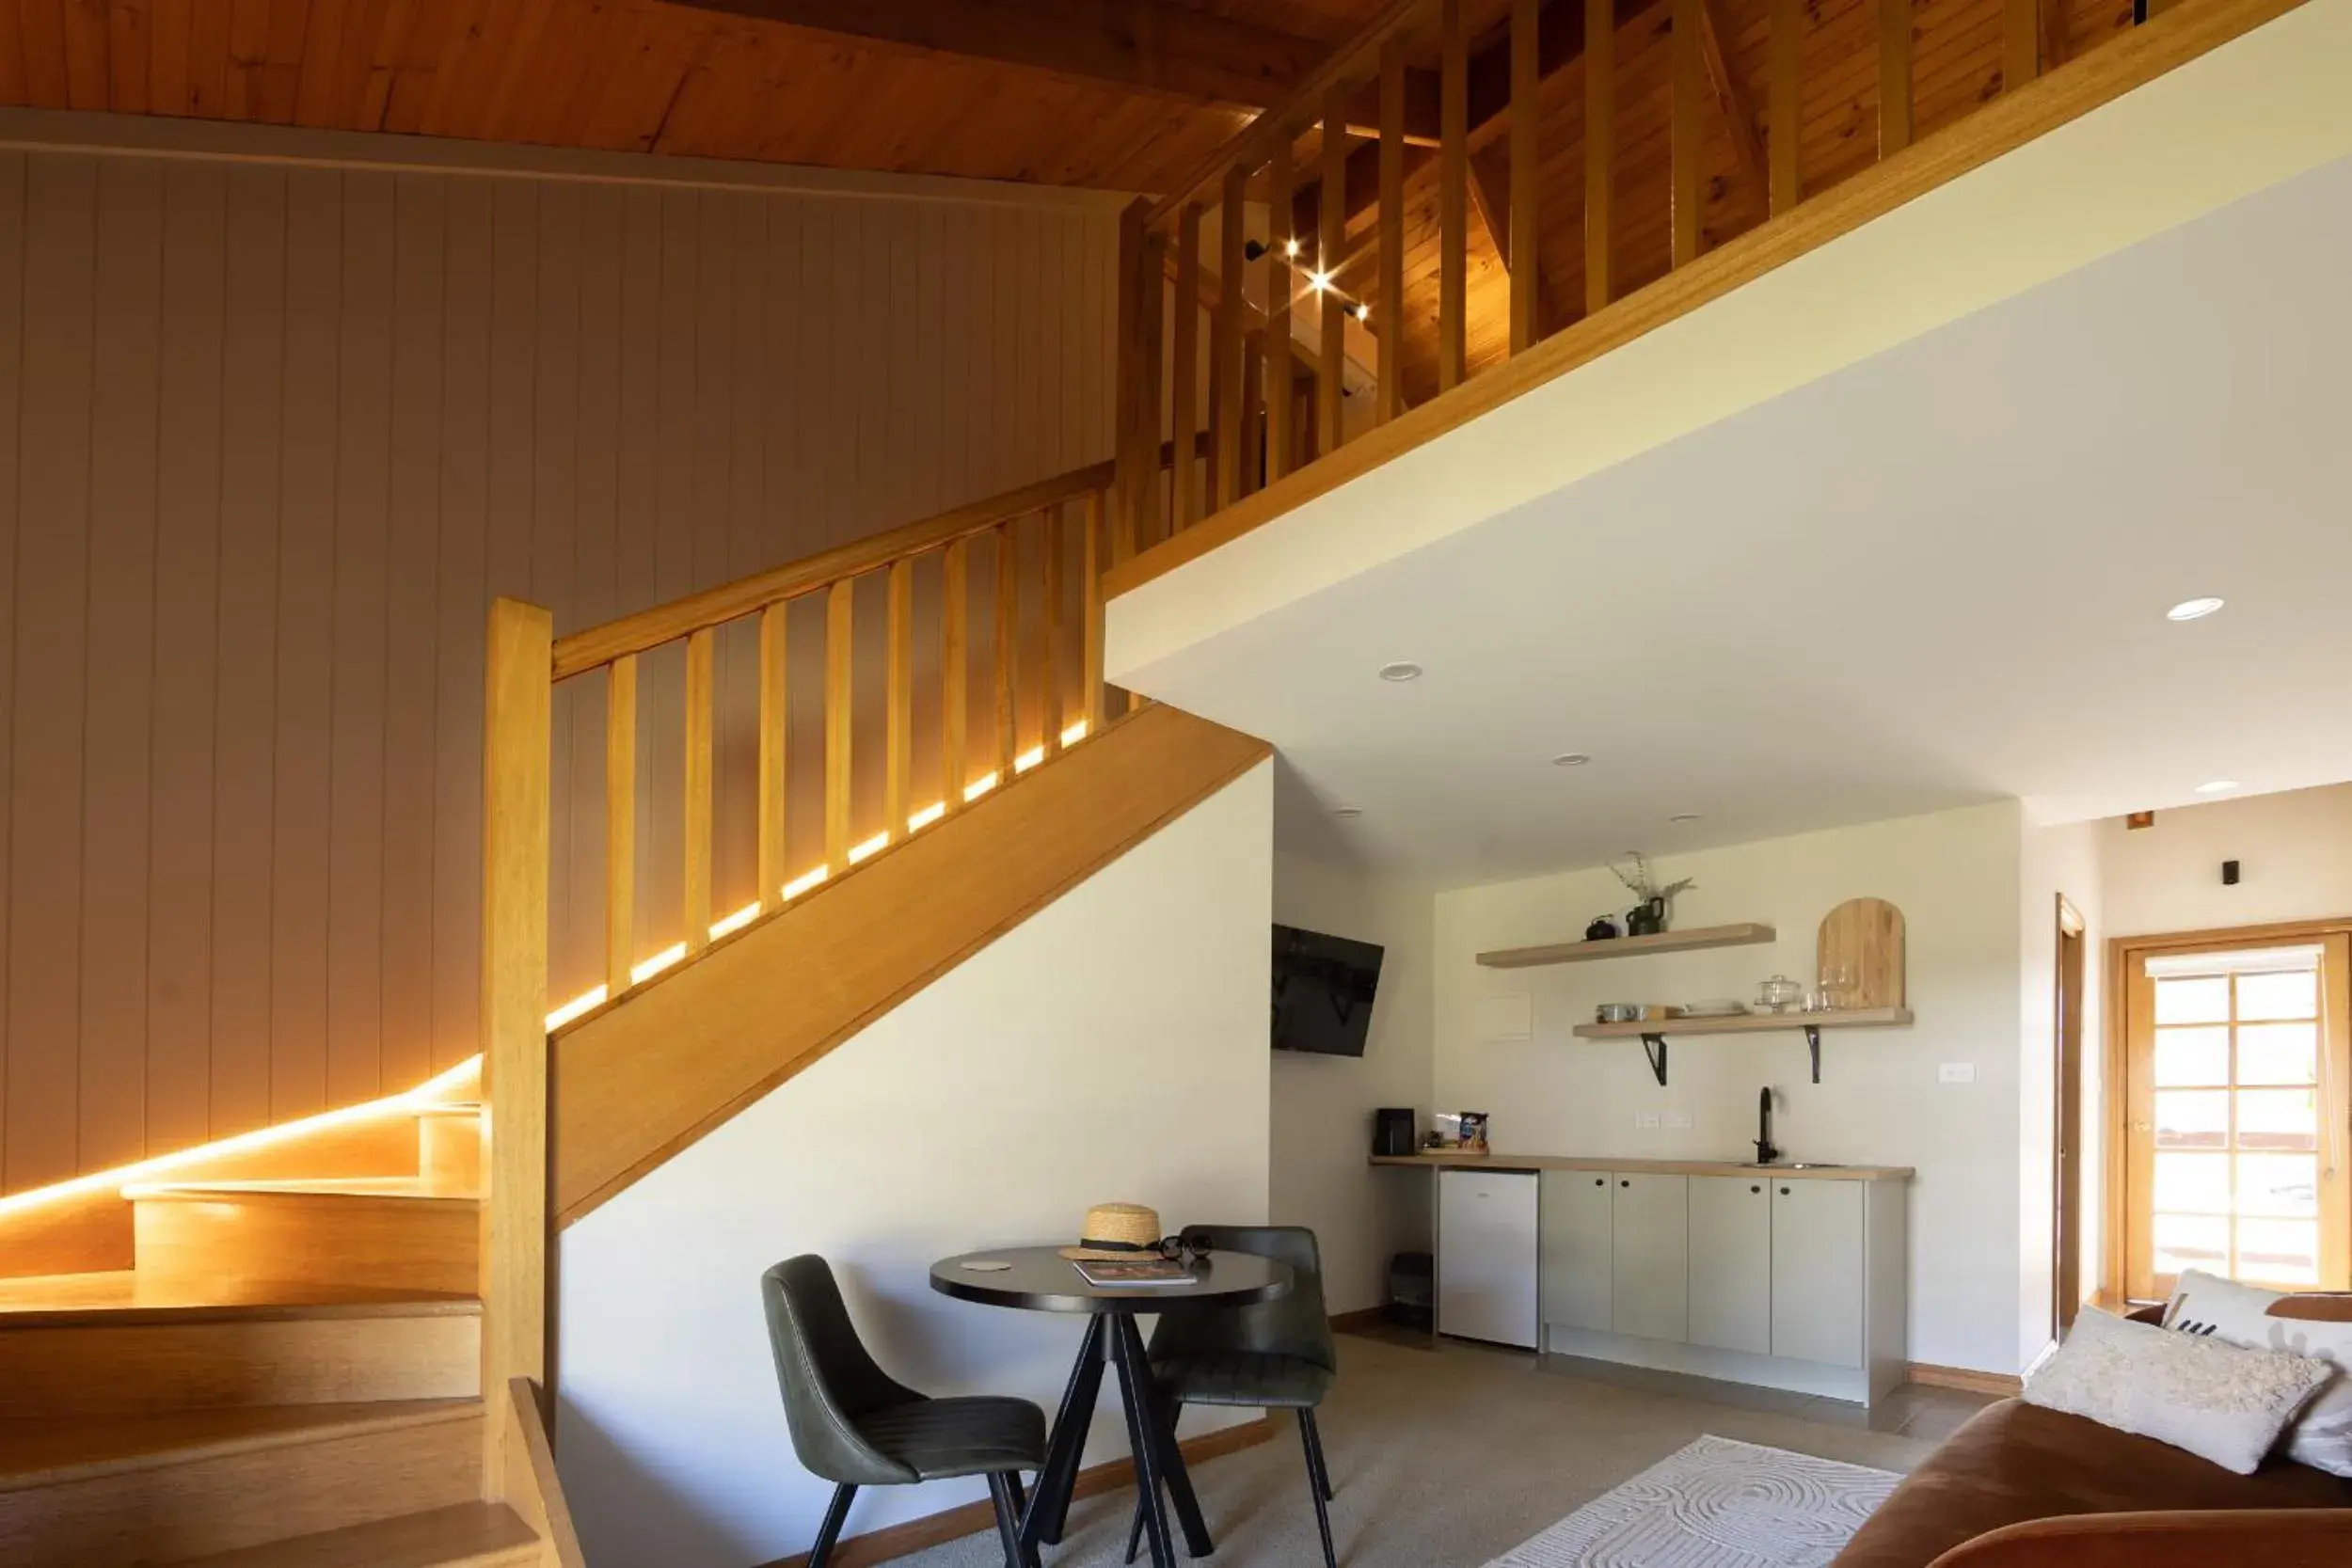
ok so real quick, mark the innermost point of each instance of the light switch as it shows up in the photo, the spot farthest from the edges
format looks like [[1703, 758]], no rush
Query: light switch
[[1645, 1119], [1677, 1118], [1956, 1072]]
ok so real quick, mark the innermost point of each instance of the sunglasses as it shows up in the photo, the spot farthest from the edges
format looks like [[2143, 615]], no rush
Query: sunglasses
[[1176, 1249]]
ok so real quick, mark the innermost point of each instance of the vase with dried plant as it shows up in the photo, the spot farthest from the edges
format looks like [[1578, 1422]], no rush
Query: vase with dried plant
[[1656, 909]]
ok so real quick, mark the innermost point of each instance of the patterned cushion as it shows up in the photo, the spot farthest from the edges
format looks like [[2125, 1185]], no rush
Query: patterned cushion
[[2214, 1307], [2221, 1402]]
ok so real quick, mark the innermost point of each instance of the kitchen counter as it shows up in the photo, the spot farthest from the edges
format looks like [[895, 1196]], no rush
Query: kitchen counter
[[1452, 1159]]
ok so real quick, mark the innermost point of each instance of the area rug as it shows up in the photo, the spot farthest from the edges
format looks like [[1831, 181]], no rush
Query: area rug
[[1716, 1504]]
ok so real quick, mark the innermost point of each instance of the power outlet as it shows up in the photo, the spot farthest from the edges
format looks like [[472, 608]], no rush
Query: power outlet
[[1956, 1072], [1677, 1118], [1645, 1119]]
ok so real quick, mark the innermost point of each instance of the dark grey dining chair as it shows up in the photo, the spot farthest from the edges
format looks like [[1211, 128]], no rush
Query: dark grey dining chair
[[854, 1426], [1278, 1355]]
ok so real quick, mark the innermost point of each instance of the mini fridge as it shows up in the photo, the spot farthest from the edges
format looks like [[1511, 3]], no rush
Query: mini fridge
[[1486, 1257]]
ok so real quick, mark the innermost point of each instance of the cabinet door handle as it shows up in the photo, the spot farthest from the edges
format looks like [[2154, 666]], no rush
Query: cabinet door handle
[[1625, 1183], [1755, 1189], [1600, 1181], [1784, 1192]]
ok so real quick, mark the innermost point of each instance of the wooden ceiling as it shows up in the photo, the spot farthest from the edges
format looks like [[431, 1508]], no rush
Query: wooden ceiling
[[1112, 94]]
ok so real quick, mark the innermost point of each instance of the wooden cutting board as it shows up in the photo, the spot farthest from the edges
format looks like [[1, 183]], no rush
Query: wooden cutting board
[[1865, 937]]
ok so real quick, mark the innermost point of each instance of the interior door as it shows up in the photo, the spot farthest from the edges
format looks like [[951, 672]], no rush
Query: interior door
[[2235, 1102]]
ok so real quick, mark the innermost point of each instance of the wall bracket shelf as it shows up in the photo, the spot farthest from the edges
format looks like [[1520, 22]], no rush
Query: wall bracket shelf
[[1652, 1032]]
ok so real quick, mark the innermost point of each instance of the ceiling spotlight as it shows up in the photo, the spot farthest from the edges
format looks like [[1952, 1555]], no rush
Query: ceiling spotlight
[[2192, 609], [1400, 672], [2217, 786], [1684, 816], [1570, 759], [1318, 281], [1363, 311], [1348, 811], [1290, 246]]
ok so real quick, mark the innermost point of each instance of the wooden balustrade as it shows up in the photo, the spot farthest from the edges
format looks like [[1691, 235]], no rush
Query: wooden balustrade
[[1278, 266]]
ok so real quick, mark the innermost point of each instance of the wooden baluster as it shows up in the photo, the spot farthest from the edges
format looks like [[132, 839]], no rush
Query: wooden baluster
[[1389, 397], [620, 823], [1007, 637], [1225, 362], [1453, 198], [1280, 445], [1184, 412], [1136, 438], [839, 608], [1090, 575], [1049, 612], [955, 677], [1331, 310], [774, 621], [1785, 178], [898, 697], [1894, 76], [1148, 518], [1526, 120], [1253, 412], [1600, 146], [517, 665], [2021, 43], [1689, 81], [701, 685]]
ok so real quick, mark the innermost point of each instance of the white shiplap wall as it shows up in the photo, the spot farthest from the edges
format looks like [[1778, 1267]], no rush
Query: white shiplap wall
[[271, 434]]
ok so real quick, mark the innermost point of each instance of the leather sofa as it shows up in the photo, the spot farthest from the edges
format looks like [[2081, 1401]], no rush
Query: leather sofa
[[2023, 1487]]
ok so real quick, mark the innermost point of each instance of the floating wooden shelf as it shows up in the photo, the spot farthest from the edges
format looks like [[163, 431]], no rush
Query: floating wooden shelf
[[1749, 1023], [1747, 934], [1652, 1032]]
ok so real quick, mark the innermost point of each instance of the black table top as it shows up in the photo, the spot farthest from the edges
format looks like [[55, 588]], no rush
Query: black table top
[[1041, 1279]]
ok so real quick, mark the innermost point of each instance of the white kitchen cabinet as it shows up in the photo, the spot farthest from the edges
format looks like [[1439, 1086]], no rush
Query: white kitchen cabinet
[[1649, 1255], [1487, 1245], [1577, 1266], [1731, 1262], [1818, 1270]]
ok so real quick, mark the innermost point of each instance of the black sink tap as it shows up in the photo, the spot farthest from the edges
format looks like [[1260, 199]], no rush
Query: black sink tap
[[1765, 1152]]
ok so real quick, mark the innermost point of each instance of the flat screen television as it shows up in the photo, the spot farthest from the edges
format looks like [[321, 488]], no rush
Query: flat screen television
[[1323, 992]]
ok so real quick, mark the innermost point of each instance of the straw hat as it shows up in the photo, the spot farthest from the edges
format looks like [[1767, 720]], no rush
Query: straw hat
[[1116, 1232]]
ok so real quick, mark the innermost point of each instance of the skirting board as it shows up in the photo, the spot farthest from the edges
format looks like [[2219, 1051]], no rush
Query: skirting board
[[897, 1541], [1362, 1318], [2007, 1384]]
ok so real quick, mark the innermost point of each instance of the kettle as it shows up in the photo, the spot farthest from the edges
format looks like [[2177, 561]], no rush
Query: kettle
[[1601, 929]]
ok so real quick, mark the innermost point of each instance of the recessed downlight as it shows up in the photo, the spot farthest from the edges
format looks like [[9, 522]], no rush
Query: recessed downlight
[[1684, 816], [1570, 759], [1402, 670], [2193, 609], [2217, 786], [1348, 811]]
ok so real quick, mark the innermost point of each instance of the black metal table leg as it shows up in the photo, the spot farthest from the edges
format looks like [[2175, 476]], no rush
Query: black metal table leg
[[1134, 1388], [1198, 1542], [1049, 1505]]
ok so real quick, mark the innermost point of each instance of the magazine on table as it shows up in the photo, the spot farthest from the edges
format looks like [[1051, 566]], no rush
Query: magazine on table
[[1140, 1270]]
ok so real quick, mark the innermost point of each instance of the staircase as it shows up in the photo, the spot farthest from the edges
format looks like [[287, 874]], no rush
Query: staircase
[[287, 1375]]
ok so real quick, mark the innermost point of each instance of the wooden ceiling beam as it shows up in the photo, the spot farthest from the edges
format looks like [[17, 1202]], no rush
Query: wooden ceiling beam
[[1145, 45]]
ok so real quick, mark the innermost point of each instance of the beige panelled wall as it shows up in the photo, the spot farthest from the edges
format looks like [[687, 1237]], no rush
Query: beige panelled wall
[[272, 433]]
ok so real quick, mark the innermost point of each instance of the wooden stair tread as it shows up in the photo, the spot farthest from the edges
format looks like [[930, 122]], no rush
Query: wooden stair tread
[[46, 1453], [470, 1535], [357, 1189], [125, 1296]]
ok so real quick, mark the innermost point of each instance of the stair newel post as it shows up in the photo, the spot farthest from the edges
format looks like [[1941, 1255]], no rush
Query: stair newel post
[[517, 691]]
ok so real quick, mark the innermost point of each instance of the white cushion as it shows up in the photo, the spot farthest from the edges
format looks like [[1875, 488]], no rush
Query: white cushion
[[2221, 1402], [2212, 1307]]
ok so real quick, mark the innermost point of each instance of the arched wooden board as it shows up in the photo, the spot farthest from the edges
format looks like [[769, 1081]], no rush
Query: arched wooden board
[[1865, 936]]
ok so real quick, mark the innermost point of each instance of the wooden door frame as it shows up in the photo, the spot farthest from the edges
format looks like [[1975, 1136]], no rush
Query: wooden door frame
[[2072, 965], [2115, 1108]]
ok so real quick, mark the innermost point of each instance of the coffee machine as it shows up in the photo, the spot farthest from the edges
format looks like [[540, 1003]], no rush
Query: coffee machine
[[1393, 1131]]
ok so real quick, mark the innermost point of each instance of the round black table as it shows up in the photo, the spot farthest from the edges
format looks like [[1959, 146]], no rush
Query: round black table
[[1041, 1279]]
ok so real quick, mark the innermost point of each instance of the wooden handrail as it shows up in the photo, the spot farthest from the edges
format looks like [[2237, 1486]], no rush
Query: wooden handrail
[[583, 651]]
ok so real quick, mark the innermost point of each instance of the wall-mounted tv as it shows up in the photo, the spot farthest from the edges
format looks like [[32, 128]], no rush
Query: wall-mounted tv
[[1323, 992]]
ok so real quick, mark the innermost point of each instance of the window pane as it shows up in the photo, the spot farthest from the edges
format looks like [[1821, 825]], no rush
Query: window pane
[[2204, 1000], [2191, 1242], [2279, 1252], [2294, 994], [2275, 1053], [2284, 1119], [2279, 1185], [2193, 1119], [2194, 1056], [2192, 1183]]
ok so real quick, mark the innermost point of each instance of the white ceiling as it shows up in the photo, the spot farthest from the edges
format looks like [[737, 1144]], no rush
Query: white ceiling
[[1935, 577]]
